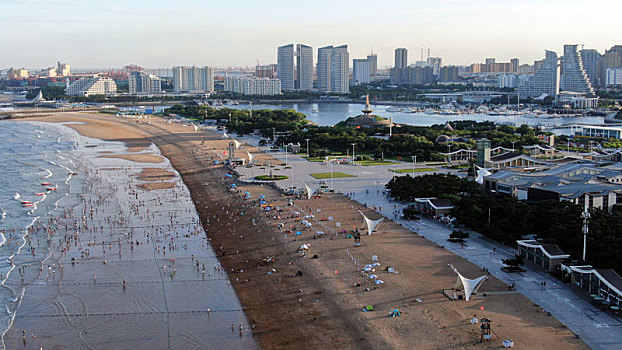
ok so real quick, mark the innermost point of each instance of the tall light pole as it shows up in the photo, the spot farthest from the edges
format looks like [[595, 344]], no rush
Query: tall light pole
[[285, 146], [307, 147], [513, 150], [449, 155], [353, 157], [586, 217], [332, 188], [273, 135], [413, 158]]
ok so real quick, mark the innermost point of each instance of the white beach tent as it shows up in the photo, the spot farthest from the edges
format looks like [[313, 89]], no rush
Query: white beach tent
[[371, 224], [250, 156], [470, 285], [310, 191], [236, 143], [481, 173]]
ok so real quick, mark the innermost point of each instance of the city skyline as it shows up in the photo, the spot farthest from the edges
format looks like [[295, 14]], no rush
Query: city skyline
[[91, 34]]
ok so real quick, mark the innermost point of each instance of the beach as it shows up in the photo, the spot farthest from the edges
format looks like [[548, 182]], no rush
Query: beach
[[292, 298]]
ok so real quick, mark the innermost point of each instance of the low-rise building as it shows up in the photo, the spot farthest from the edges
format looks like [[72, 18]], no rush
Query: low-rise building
[[89, 86], [576, 183], [546, 256], [604, 285], [433, 206]]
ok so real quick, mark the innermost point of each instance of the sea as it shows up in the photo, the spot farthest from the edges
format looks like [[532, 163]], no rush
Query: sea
[[49, 170], [37, 177]]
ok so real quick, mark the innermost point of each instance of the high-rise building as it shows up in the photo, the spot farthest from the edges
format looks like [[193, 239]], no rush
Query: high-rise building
[[63, 69], [17, 73], [361, 71], [614, 77], [612, 58], [435, 63], [285, 66], [143, 83], [333, 69], [448, 74], [90, 86], [253, 85], [401, 58], [574, 78], [545, 80], [591, 60], [507, 81], [373, 61], [514, 63], [268, 71], [193, 79], [324, 56], [304, 69], [491, 61], [340, 70]]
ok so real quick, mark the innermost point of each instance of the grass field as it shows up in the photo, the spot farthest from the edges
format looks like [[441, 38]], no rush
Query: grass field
[[336, 175], [417, 170], [373, 162]]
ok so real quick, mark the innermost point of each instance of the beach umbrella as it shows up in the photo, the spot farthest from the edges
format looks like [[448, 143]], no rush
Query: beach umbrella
[[228, 175], [262, 196], [247, 192], [298, 233]]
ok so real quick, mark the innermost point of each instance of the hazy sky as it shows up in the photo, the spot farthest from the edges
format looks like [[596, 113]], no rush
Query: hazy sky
[[154, 33]]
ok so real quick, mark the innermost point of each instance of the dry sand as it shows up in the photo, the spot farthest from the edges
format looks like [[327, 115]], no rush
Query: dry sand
[[322, 308]]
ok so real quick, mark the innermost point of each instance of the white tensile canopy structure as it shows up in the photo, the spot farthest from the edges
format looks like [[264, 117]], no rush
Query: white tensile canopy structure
[[224, 135], [310, 191], [237, 143], [250, 156], [371, 224], [196, 128], [470, 285], [481, 173]]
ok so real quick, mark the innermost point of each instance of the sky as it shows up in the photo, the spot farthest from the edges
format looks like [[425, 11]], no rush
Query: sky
[[233, 33]]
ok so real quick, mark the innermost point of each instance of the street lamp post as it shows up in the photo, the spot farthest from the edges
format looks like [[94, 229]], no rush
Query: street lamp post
[[513, 150], [273, 135], [413, 158], [449, 155], [307, 147], [353, 157], [332, 188]]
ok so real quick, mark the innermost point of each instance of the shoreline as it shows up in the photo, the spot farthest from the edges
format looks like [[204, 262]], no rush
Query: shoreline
[[90, 287], [324, 304]]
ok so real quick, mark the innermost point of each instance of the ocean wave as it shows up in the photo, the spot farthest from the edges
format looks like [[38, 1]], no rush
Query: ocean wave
[[49, 173]]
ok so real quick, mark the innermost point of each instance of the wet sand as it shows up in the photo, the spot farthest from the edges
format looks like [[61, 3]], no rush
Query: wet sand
[[127, 268], [298, 301]]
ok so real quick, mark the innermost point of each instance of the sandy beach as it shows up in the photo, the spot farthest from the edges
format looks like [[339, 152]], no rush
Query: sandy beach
[[292, 299]]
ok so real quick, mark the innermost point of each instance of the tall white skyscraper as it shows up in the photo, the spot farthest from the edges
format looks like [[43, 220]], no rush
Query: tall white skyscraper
[[574, 77], [333, 69], [285, 66], [304, 69], [193, 79], [324, 56], [340, 70], [361, 71]]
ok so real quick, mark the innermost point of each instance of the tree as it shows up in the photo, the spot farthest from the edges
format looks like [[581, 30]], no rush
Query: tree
[[514, 262], [458, 236]]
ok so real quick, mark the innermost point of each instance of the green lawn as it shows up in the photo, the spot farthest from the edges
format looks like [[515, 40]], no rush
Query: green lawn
[[373, 162], [417, 170], [336, 175]]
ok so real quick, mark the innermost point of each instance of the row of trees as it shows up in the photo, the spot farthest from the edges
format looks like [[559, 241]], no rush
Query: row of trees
[[410, 140], [506, 219]]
